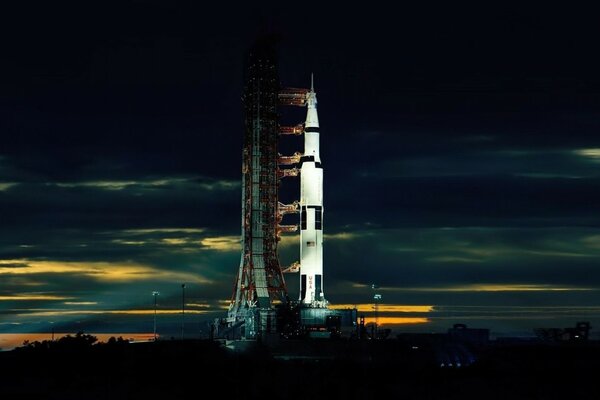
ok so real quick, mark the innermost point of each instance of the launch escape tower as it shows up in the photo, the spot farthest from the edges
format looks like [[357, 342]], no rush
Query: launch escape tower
[[260, 286]]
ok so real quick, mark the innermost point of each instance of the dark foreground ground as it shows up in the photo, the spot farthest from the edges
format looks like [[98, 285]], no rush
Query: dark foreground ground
[[359, 370]]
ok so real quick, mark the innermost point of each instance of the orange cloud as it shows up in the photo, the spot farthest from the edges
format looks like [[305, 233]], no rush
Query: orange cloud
[[32, 296], [104, 271], [398, 320]]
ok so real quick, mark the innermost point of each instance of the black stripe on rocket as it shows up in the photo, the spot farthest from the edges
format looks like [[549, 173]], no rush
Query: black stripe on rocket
[[318, 217]]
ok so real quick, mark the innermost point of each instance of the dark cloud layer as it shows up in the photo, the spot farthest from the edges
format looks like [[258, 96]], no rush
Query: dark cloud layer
[[460, 150]]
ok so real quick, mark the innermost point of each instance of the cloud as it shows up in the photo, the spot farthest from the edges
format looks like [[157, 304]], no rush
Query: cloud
[[12, 265], [591, 241], [130, 209], [497, 288], [202, 182], [102, 271], [340, 236], [61, 313], [222, 243], [147, 231], [175, 241], [118, 185], [385, 308], [152, 189], [221, 185], [385, 321], [453, 259], [592, 154], [129, 242], [33, 297], [427, 257]]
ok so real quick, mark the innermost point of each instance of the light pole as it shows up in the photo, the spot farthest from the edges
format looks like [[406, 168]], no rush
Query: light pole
[[377, 298], [155, 294], [182, 310]]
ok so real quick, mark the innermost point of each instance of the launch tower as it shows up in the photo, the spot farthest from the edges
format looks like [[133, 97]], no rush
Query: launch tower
[[260, 304], [260, 284]]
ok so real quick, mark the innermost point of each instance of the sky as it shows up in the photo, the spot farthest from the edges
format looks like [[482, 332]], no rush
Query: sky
[[460, 149]]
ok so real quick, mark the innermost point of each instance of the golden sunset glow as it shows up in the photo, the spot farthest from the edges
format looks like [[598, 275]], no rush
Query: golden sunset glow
[[32, 296], [198, 305], [397, 320], [104, 271], [175, 241], [224, 304]]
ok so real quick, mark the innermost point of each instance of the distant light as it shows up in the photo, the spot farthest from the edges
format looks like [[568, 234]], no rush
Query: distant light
[[377, 297], [155, 293]]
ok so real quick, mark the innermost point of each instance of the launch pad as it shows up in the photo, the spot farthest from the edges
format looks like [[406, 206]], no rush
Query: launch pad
[[260, 305], [292, 320]]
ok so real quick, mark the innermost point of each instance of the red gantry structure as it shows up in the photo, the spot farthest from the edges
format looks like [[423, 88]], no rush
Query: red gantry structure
[[260, 284], [260, 304]]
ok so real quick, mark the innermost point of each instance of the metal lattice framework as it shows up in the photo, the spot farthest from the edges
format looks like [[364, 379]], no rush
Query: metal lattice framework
[[260, 280], [260, 283]]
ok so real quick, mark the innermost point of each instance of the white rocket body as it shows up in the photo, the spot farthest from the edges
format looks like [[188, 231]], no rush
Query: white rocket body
[[311, 212]]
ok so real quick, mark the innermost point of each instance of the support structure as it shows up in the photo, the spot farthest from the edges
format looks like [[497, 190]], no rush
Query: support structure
[[260, 283]]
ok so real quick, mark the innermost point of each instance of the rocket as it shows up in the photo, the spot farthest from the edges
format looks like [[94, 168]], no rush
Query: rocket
[[311, 210]]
